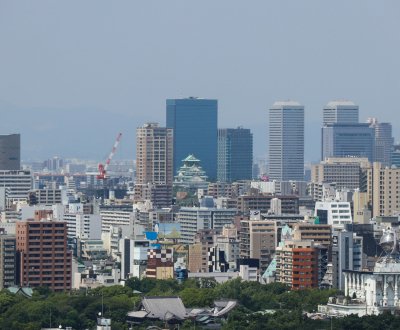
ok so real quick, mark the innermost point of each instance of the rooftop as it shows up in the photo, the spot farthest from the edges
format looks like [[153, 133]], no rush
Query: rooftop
[[336, 103], [288, 103]]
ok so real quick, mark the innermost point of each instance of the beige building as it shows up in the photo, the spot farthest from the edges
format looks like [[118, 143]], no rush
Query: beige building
[[198, 252], [319, 233], [262, 202], [383, 190], [361, 211], [154, 164], [345, 172], [258, 239]]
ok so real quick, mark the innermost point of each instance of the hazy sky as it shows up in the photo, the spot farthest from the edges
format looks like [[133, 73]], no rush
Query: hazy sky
[[75, 73]]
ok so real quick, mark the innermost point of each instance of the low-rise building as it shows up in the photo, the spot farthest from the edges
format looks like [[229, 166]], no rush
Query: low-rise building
[[160, 264], [133, 257], [193, 219], [334, 213]]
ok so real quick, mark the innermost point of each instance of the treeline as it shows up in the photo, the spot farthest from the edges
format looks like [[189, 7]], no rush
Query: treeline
[[270, 306]]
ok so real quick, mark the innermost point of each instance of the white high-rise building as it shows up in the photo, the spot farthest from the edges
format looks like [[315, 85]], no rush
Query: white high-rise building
[[286, 141], [193, 219], [18, 183], [334, 213], [340, 112]]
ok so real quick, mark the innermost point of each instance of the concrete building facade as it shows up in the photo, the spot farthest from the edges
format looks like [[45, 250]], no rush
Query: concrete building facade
[[383, 190], [258, 240], [334, 213], [193, 219], [344, 172], [19, 183]]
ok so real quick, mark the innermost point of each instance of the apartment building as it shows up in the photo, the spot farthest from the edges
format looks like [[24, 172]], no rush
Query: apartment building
[[297, 264], [258, 240], [44, 257]]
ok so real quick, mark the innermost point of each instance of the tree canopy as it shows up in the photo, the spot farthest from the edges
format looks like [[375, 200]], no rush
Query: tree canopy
[[271, 306]]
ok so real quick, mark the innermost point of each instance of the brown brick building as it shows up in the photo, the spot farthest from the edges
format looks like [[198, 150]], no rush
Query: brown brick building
[[44, 259]]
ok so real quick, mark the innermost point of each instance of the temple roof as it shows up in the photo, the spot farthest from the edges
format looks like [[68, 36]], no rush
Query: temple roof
[[164, 308]]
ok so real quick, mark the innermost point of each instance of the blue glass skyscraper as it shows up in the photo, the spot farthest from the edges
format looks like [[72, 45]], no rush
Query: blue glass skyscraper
[[342, 134], [235, 154], [348, 140], [195, 123]]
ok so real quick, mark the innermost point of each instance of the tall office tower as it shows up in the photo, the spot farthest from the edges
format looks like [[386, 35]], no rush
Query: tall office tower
[[348, 140], [383, 141], [10, 152], [154, 157], [286, 141], [195, 123], [343, 135], [340, 112], [235, 154], [44, 256]]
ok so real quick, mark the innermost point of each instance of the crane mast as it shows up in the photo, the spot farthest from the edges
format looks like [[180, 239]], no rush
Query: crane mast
[[103, 168]]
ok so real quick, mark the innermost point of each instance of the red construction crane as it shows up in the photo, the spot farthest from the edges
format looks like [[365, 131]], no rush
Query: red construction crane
[[103, 168]]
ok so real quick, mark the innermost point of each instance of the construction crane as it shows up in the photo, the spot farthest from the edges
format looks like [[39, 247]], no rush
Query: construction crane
[[103, 168]]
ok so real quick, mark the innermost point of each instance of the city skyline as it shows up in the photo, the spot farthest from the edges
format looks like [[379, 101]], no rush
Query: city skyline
[[117, 72]]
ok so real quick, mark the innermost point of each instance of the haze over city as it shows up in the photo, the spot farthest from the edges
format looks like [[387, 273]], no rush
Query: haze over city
[[199, 165], [74, 74]]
